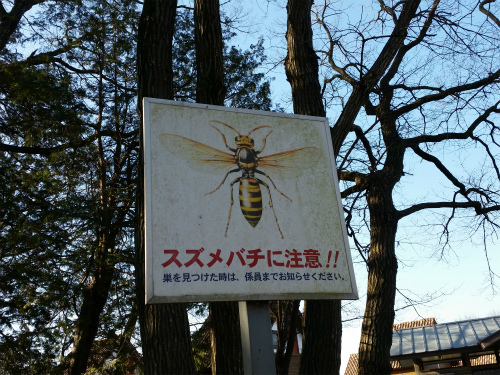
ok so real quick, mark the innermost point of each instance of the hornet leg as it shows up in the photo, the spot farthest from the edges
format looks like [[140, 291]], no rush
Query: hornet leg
[[232, 201], [223, 180], [272, 182], [271, 204]]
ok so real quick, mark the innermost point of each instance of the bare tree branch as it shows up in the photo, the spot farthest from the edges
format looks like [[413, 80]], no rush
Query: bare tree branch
[[9, 22], [492, 78], [366, 144], [432, 205], [490, 15], [361, 90], [468, 133], [405, 48], [439, 165]]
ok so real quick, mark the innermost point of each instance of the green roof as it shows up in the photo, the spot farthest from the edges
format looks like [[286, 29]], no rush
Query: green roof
[[446, 336]]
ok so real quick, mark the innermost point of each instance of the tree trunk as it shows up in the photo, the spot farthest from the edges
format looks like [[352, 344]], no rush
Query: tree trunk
[[376, 332], [376, 336], [301, 62], [165, 335], [322, 337], [101, 269], [94, 299], [287, 313], [226, 356], [323, 327], [210, 87]]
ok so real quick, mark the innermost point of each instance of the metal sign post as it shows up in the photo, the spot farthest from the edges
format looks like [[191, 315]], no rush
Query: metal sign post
[[256, 338]]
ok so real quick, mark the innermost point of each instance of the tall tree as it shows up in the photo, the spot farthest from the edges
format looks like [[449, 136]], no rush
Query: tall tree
[[39, 229], [88, 146], [245, 86], [322, 319], [109, 48], [164, 327], [419, 114], [210, 89], [39, 129]]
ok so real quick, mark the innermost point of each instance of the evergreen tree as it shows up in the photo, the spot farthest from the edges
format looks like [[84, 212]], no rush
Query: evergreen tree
[[246, 87], [90, 150], [43, 210], [68, 161]]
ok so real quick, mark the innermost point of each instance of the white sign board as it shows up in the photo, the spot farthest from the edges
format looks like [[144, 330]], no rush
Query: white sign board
[[241, 205]]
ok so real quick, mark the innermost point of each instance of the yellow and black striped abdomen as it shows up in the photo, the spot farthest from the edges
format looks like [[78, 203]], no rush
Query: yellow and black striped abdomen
[[251, 200]]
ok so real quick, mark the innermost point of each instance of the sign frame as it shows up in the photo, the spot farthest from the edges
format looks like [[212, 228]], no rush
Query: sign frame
[[171, 123]]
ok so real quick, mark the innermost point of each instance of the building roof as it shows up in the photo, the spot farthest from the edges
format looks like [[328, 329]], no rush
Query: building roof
[[419, 339], [352, 364], [446, 336]]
